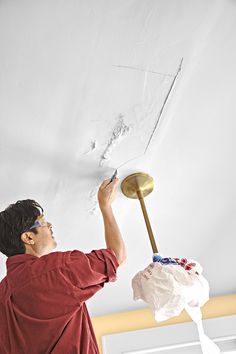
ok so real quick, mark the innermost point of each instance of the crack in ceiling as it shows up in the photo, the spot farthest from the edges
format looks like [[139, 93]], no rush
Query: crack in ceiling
[[143, 70], [164, 104]]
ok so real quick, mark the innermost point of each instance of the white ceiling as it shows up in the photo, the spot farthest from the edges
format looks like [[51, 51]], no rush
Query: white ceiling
[[82, 83]]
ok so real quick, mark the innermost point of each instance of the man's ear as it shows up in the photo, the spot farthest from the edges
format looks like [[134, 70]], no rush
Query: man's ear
[[26, 237]]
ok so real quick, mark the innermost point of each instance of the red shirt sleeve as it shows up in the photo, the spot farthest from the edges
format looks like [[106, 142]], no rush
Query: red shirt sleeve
[[88, 272]]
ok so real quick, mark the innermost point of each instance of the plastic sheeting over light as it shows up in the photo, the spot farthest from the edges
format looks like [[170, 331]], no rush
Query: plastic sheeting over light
[[169, 285]]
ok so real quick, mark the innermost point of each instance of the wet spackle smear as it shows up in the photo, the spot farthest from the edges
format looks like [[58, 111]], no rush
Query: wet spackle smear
[[119, 132], [93, 147]]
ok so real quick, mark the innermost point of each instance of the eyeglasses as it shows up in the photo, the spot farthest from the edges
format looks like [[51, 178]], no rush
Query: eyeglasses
[[39, 223]]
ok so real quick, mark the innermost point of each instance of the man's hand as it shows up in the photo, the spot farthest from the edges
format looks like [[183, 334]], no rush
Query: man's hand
[[107, 193]]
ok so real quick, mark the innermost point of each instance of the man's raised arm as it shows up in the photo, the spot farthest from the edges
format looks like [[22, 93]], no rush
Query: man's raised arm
[[113, 238]]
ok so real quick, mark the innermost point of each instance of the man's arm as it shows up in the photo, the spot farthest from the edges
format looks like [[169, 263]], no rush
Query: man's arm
[[113, 238]]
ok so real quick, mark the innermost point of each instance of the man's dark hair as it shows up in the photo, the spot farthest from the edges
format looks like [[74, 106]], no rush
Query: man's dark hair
[[14, 220]]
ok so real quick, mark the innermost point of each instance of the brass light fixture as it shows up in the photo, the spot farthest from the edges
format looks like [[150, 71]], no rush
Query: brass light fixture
[[138, 186]]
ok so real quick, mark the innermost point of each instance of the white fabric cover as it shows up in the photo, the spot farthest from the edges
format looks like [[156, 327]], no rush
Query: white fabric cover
[[167, 289], [170, 288]]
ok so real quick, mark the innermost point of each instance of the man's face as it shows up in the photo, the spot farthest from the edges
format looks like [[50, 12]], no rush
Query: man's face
[[44, 239]]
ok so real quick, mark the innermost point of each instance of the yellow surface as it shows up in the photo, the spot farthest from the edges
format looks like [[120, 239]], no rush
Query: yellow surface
[[141, 319]]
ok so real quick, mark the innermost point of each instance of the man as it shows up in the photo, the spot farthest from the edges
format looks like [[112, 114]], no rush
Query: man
[[42, 298]]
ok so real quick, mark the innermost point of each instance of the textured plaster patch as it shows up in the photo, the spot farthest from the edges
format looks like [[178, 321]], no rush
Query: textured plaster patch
[[119, 132], [93, 197]]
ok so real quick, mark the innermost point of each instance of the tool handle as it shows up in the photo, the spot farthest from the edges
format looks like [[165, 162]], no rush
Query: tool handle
[[113, 176]]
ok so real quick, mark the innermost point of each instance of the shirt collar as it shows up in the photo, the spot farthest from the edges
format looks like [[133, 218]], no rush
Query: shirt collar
[[19, 258]]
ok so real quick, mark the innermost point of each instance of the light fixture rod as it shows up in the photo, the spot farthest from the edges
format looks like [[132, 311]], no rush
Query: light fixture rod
[[148, 225]]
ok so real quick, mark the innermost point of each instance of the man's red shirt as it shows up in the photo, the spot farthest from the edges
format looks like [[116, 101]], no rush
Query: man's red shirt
[[42, 301]]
